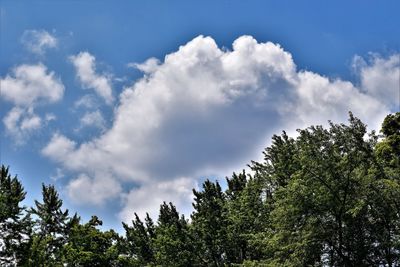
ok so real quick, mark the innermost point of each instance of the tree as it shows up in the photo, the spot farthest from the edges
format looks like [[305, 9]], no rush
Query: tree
[[329, 197], [173, 243], [209, 222], [247, 215], [51, 226], [14, 221], [385, 193], [270, 176], [138, 243], [324, 215], [88, 246], [388, 150]]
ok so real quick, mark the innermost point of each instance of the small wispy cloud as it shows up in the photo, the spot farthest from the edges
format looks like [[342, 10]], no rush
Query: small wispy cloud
[[92, 119], [58, 175], [21, 123], [148, 66], [87, 101], [38, 41], [85, 65]]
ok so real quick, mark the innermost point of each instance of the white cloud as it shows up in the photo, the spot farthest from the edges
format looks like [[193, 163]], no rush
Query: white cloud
[[58, 175], [380, 78], [32, 122], [318, 99], [29, 85], [148, 66], [206, 111], [37, 41], [21, 123], [93, 119], [87, 101], [85, 65], [93, 190], [50, 117], [59, 147], [148, 197]]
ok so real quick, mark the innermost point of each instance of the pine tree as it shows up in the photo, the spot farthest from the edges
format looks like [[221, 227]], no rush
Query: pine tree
[[51, 227], [15, 224], [88, 246], [138, 243], [209, 224], [173, 244], [247, 217]]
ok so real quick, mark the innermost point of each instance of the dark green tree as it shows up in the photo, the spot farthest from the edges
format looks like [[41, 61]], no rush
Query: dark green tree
[[209, 224], [280, 163], [323, 215], [89, 246], [384, 194], [51, 228], [137, 246], [273, 174], [247, 217], [388, 150], [15, 223], [173, 244]]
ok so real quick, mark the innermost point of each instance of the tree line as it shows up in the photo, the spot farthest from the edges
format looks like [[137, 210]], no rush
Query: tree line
[[329, 197]]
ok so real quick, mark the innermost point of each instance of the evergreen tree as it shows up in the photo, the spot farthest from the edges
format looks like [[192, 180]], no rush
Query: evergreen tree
[[209, 224], [51, 227], [173, 244], [88, 246], [15, 224], [280, 163], [138, 244], [247, 217]]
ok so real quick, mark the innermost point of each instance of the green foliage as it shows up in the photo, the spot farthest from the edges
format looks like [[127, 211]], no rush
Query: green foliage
[[88, 246], [51, 224], [138, 243], [173, 243], [247, 212], [329, 197], [388, 150], [14, 222], [209, 222]]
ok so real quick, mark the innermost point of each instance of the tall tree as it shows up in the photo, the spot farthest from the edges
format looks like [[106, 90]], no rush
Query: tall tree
[[138, 243], [280, 164], [384, 193], [51, 226], [173, 243], [323, 215], [15, 224], [88, 246], [209, 222], [247, 211]]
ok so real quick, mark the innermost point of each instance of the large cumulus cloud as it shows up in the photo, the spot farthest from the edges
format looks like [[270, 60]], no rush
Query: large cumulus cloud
[[203, 111]]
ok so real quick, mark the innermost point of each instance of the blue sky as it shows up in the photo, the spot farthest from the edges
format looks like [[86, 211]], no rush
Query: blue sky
[[124, 105]]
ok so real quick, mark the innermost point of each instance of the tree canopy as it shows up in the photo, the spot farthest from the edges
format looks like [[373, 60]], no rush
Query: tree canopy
[[328, 197]]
